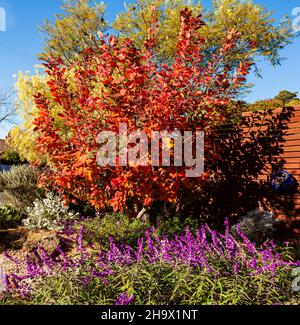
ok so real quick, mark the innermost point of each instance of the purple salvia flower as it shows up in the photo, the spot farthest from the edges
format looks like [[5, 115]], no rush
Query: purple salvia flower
[[236, 267], [250, 246], [124, 300], [67, 261], [11, 258], [194, 251], [253, 264], [7, 282], [151, 250], [46, 258], [140, 250]]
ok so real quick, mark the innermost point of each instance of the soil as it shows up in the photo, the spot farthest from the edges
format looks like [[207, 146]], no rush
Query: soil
[[20, 242]]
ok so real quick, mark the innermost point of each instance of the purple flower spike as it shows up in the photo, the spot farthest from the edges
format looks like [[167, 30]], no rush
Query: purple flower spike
[[124, 300]]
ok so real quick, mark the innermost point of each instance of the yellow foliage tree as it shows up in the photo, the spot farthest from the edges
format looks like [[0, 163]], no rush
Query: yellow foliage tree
[[254, 22], [75, 30], [22, 138], [134, 22], [294, 102]]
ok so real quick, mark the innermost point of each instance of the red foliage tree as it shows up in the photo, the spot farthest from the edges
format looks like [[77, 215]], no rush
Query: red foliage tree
[[118, 83]]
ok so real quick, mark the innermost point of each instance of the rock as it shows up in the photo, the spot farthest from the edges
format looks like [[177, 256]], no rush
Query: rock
[[49, 241], [45, 239]]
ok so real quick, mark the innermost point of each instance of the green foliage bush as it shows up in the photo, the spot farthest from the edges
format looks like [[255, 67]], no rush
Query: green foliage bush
[[20, 188], [176, 224], [117, 225], [11, 157], [294, 102], [266, 104], [125, 229], [286, 96], [9, 217]]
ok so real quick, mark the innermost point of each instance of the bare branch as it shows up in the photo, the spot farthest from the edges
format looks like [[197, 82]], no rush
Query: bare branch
[[7, 108]]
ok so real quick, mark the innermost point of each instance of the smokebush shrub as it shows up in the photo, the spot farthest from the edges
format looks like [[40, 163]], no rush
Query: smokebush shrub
[[128, 77]]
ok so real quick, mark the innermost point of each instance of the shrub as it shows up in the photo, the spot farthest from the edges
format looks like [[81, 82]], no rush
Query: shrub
[[294, 102], [11, 157], [126, 229], [175, 224], [258, 225], [123, 84], [266, 104], [9, 217], [205, 268], [84, 209], [117, 225], [49, 213], [20, 188]]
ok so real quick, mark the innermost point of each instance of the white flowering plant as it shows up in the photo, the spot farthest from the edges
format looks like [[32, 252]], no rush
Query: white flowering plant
[[49, 213]]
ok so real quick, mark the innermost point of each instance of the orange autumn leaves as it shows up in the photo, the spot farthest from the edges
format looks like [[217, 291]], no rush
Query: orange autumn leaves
[[118, 83]]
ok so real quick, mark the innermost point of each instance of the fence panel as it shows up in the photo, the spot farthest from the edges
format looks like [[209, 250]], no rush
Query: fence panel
[[253, 150]]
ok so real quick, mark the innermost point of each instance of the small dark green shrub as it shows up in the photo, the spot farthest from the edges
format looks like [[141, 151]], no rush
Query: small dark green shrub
[[117, 225], [11, 157], [125, 229], [83, 209], [9, 217], [175, 224]]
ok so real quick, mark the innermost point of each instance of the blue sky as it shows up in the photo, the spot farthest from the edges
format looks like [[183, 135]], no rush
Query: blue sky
[[21, 41]]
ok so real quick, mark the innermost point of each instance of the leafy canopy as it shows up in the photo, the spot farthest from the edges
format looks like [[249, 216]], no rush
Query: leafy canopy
[[119, 83], [283, 98], [286, 96], [254, 22], [80, 26], [74, 30]]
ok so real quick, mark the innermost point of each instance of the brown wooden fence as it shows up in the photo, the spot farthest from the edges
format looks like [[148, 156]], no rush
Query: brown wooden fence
[[287, 207], [251, 151]]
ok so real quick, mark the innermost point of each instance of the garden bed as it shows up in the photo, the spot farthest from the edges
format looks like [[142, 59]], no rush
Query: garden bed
[[200, 266]]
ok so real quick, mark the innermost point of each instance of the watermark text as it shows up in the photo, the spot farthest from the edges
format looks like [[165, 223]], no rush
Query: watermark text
[[159, 149], [2, 20]]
